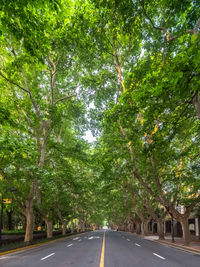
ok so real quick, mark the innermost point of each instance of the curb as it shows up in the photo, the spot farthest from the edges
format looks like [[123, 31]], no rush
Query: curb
[[168, 244], [181, 247], [37, 245]]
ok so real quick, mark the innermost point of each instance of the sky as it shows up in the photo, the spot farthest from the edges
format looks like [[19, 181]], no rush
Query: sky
[[89, 137]]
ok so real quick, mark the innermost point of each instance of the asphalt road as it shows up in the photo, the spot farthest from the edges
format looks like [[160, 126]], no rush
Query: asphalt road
[[121, 250]]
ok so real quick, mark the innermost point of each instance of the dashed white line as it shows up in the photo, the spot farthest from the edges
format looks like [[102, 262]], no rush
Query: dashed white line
[[47, 256], [128, 239], [3, 258], [76, 238], [70, 245], [79, 240], [137, 245], [159, 256]]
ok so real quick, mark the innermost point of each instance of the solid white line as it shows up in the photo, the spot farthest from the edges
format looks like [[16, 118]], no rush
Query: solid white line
[[159, 256], [70, 245], [47, 256], [128, 239], [137, 245]]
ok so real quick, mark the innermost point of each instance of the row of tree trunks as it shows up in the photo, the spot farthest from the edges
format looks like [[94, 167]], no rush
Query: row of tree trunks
[[141, 227]]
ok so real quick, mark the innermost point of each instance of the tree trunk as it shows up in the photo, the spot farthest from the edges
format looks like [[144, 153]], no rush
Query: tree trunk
[[64, 227], [49, 225], [28, 212], [196, 103], [186, 231], [62, 220], [24, 223], [137, 228], [144, 229], [83, 226], [160, 229]]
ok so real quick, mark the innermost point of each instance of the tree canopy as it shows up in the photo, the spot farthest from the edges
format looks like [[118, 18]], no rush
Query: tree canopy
[[126, 70]]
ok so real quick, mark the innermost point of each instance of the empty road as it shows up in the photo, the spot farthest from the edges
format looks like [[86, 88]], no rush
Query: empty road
[[102, 249]]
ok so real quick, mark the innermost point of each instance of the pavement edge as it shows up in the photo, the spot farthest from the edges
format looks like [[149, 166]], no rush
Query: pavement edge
[[168, 244], [181, 247], [38, 244]]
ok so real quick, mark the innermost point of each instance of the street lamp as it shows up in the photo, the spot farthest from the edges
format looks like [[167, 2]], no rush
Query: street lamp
[[12, 189]]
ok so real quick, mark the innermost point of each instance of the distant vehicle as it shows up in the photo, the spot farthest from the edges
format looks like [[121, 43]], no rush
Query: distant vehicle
[[105, 227]]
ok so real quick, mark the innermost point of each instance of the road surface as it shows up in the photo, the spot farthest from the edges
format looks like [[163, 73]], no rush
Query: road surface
[[87, 250]]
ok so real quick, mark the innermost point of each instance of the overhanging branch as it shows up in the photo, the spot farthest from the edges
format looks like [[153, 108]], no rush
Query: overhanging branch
[[10, 81], [64, 98]]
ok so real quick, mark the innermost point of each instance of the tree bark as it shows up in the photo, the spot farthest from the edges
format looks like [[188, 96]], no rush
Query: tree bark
[[49, 225], [144, 227], [196, 103], [83, 226], [30, 219], [186, 231], [160, 229], [64, 224], [62, 220]]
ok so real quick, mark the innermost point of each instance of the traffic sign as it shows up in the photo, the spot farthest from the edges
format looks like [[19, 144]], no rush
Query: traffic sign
[[7, 201]]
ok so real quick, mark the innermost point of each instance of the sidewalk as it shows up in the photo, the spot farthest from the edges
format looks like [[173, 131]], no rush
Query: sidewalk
[[193, 247]]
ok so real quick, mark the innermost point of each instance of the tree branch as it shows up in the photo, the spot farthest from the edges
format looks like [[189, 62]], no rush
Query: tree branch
[[10, 81], [30, 95], [165, 30], [53, 75], [196, 28], [64, 98]]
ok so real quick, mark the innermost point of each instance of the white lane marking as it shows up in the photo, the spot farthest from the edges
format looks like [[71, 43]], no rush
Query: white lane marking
[[3, 258], [47, 256], [76, 238], [79, 240], [70, 245], [137, 244], [128, 239], [159, 256], [93, 237]]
